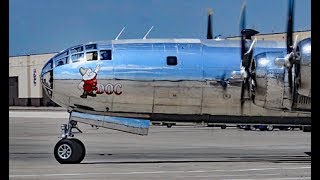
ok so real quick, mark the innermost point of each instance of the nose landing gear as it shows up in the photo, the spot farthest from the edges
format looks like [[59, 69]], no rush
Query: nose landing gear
[[69, 150]]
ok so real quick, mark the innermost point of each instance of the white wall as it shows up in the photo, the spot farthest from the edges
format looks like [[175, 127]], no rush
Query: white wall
[[23, 67]]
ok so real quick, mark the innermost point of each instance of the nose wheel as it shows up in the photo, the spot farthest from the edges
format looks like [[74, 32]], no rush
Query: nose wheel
[[69, 151]]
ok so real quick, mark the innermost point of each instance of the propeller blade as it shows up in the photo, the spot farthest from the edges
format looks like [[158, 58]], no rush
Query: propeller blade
[[295, 42], [251, 46], [223, 81], [247, 63], [242, 24], [290, 79], [290, 26], [243, 16], [242, 94], [209, 30], [289, 42], [254, 81]]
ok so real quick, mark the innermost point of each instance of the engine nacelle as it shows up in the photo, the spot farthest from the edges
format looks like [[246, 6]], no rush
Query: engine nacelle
[[304, 50], [302, 99], [270, 80], [272, 88]]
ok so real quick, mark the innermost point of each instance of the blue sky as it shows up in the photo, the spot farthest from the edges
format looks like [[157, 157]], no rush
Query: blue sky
[[43, 26]]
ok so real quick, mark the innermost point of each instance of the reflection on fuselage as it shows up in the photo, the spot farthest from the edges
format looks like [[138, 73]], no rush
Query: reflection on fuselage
[[173, 76]]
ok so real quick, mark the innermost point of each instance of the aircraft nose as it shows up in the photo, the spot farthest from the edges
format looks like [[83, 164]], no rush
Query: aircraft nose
[[47, 76]]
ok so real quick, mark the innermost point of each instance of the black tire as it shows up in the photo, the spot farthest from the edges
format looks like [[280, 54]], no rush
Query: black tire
[[223, 127], [253, 128], [289, 128], [246, 127], [270, 128], [74, 149], [169, 125], [82, 147], [306, 128], [263, 128]]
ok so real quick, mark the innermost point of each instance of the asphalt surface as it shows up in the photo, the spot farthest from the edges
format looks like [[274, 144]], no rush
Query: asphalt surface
[[180, 152]]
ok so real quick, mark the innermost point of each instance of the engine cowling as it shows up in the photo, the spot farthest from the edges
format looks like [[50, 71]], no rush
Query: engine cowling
[[270, 80], [304, 50], [272, 88], [302, 96]]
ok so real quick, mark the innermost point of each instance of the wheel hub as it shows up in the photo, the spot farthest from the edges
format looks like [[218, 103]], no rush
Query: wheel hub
[[64, 151]]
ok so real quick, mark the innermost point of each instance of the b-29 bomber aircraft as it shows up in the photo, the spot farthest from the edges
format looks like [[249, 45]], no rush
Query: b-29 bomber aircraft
[[125, 84]]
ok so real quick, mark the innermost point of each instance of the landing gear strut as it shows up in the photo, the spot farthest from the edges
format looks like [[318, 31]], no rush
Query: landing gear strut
[[69, 150]]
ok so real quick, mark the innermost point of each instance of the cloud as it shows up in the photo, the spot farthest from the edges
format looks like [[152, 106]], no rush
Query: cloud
[[137, 67], [106, 68], [77, 65], [66, 75], [138, 72]]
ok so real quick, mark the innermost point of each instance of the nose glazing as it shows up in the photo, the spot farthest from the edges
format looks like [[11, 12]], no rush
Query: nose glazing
[[47, 76]]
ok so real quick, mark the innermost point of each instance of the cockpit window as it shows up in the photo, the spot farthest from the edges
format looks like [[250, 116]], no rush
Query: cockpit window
[[76, 49], [61, 61], [48, 66], [91, 46], [77, 57], [92, 56], [65, 53], [105, 55]]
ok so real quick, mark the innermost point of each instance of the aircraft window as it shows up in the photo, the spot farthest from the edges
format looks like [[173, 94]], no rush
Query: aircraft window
[[105, 55], [91, 46], [172, 60], [62, 61], [76, 49], [48, 66], [65, 53], [77, 57], [92, 56]]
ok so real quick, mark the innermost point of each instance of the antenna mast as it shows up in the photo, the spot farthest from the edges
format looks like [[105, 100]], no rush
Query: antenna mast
[[120, 33], [147, 33]]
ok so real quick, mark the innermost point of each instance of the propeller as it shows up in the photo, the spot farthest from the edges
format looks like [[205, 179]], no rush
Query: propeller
[[209, 30], [291, 57], [247, 65], [223, 82]]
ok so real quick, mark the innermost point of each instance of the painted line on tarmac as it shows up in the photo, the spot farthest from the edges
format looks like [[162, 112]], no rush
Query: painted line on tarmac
[[155, 172], [233, 175], [39, 114], [289, 178]]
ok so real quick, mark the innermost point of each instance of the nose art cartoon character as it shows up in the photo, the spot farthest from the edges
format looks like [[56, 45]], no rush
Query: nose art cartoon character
[[89, 81]]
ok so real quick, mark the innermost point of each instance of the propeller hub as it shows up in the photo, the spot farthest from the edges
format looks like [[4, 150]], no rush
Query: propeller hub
[[244, 73]]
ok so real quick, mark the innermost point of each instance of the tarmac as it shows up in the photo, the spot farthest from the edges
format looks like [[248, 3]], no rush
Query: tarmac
[[179, 152], [34, 108]]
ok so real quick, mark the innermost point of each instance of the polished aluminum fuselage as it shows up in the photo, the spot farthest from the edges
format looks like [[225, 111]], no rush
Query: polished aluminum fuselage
[[139, 81]]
